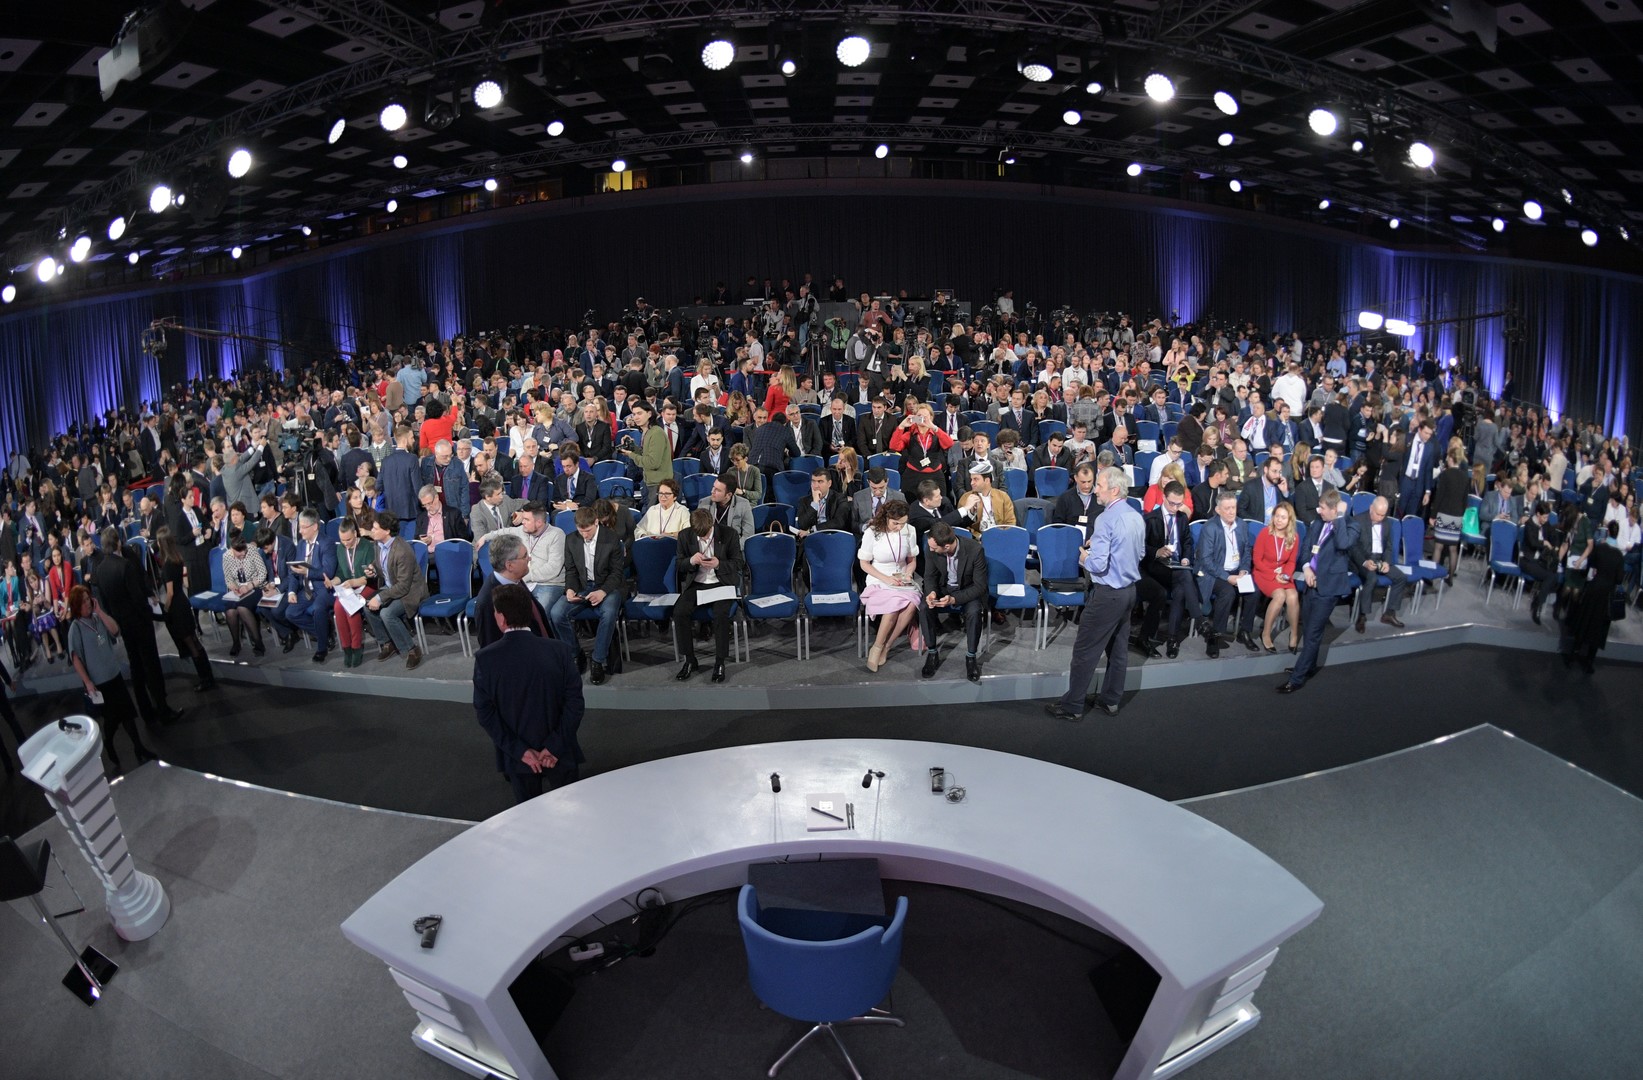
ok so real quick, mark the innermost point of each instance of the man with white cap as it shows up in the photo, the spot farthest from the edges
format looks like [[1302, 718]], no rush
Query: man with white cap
[[984, 506]]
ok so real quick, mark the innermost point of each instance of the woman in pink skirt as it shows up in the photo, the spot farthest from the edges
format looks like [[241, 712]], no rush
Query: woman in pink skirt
[[888, 553]]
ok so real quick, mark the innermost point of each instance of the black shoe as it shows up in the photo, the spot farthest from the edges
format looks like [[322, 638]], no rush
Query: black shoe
[[596, 673], [1214, 648], [932, 661], [1248, 642], [258, 650], [1358, 626], [1288, 688], [1056, 710], [581, 662], [972, 669], [319, 657], [1391, 619], [1534, 613], [1172, 650], [1145, 648], [718, 671], [413, 658], [689, 668], [288, 643]]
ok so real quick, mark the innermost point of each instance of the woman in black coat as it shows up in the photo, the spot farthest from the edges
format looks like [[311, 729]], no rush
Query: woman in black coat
[[1588, 623], [184, 522]]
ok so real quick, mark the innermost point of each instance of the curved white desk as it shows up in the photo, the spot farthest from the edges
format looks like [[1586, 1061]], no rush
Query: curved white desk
[[1203, 907]]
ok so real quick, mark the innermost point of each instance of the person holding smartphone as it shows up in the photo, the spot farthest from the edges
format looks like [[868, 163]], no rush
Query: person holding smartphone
[[923, 448]]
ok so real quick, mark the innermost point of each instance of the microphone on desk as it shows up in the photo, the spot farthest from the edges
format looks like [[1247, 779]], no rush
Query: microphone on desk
[[776, 781], [66, 724], [867, 780]]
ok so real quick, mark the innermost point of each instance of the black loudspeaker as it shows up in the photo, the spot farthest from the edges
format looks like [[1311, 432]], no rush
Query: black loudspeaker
[[1125, 983], [541, 994]]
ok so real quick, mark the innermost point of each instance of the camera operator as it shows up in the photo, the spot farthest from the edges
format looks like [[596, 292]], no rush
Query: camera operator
[[839, 340], [803, 313], [866, 353]]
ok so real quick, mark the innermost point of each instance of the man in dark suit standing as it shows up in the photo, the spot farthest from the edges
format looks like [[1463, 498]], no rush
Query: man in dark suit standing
[[709, 557], [1019, 418], [594, 573], [955, 580], [1372, 555], [401, 476], [1415, 472], [1328, 557], [528, 697], [122, 590]]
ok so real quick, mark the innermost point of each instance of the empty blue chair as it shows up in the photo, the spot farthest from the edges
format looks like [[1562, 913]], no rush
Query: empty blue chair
[[407, 529], [862, 409], [421, 551], [612, 487], [1361, 501], [823, 983], [1503, 559], [770, 595], [328, 531], [1015, 483], [1143, 468], [655, 572], [765, 513], [806, 463], [1046, 428], [614, 467], [565, 521], [1006, 549], [831, 556], [893, 478], [695, 487], [1167, 430], [1478, 540], [465, 620], [1050, 481], [887, 461], [1060, 580], [988, 428], [1147, 431], [790, 487], [686, 466], [454, 559], [1414, 547]]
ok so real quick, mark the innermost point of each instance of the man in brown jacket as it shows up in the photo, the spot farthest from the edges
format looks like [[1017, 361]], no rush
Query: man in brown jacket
[[400, 589]]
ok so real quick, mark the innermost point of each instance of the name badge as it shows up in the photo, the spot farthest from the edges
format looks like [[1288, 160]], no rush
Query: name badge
[[1083, 519], [924, 463], [1315, 548]]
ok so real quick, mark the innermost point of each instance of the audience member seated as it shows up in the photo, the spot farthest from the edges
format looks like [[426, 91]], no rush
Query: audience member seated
[[243, 573], [1372, 554], [354, 558], [984, 506], [436, 522], [824, 509], [667, 516], [1277, 551], [1224, 562], [888, 555], [729, 508], [710, 557], [595, 574], [1166, 573], [509, 565], [400, 589]]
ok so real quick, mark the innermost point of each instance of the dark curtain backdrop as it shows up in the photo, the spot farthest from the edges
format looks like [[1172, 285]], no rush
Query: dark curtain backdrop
[[549, 262]]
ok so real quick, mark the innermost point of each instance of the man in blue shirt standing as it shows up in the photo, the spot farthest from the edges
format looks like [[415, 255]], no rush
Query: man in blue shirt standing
[[1112, 558]]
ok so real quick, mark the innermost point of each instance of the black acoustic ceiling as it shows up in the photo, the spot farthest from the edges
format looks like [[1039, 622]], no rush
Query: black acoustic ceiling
[[1538, 99]]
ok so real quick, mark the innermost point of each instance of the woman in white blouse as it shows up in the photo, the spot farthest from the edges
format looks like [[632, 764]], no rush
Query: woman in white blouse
[[667, 516], [888, 554], [705, 376]]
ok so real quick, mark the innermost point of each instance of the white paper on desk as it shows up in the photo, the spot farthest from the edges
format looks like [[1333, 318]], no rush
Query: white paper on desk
[[818, 807], [770, 601], [1013, 589], [715, 594], [350, 599], [203, 596], [1246, 584], [1404, 570], [830, 598]]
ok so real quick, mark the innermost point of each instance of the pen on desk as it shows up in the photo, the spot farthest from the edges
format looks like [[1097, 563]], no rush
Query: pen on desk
[[824, 813], [850, 815]]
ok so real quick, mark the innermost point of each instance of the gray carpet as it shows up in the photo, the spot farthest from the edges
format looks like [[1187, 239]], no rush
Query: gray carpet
[[1483, 917]]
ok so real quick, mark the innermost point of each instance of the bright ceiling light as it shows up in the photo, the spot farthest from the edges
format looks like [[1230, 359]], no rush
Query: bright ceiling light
[[618, 166], [400, 161], [1370, 320], [718, 54], [1532, 210], [182, 198], [881, 151], [236, 251], [1625, 233], [132, 258], [307, 230], [1421, 155], [747, 157], [789, 68], [1400, 327], [239, 163], [1393, 223], [1159, 87], [1588, 237], [1357, 146], [555, 128], [8, 293], [1568, 196], [80, 248], [393, 116], [490, 183], [1323, 122], [487, 93], [1225, 138], [61, 269], [158, 199], [1094, 86], [1226, 102], [1072, 118], [854, 49], [1034, 69], [1499, 225], [46, 269], [338, 126], [1133, 168], [1235, 184], [117, 228], [393, 206]]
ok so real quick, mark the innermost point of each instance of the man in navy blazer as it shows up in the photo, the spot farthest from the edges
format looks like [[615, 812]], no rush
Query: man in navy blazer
[[528, 697], [1416, 469], [400, 476], [309, 562], [530, 485], [1326, 561], [574, 485], [1218, 583]]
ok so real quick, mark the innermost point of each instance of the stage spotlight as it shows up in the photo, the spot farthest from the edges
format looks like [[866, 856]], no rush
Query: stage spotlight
[[1226, 102], [393, 116], [393, 206], [8, 293], [117, 228], [338, 126], [1625, 233], [1532, 210], [132, 258], [789, 68], [854, 50], [46, 269], [239, 163], [747, 157], [1357, 146], [490, 183], [1400, 327], [182, 198], [1133, 168], [1159, 87], [307, 230], [80, 248], [1393, 223], [61, 269], [400, 161], [1095, 87], [158, 199], [1568, 196], [618, 166], [1370, 320], [236, 251], [881, 151], [1323, 122], [1499, 225], [1235, 184], [489, 91], [1006, 156], [1034, 68], [1323, 204], [1225, 138], [555, 128], [1421, 155], [718, 54], [1588, 237], [1072, 118]]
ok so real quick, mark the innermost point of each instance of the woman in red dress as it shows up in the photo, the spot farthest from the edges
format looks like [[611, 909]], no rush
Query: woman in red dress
[[1277, 549]]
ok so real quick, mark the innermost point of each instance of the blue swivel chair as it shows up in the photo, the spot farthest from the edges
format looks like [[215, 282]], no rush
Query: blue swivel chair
[[770, 560], [825, 983], [454, 559]]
